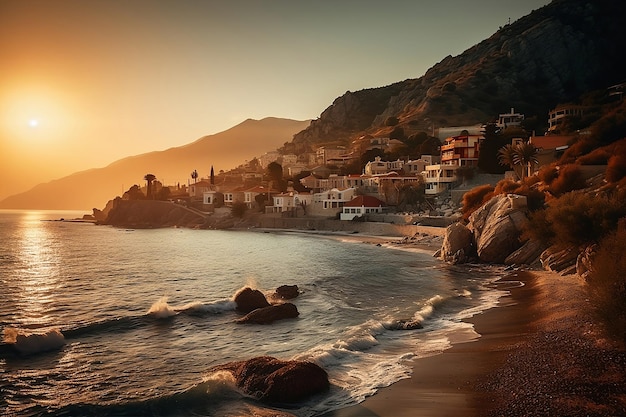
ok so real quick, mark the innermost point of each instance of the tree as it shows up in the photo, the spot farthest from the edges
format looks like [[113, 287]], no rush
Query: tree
[[489, 147], [239, 209], [212, 176], [275, 174], [149, 178], [506, 156], [194, 176], [526, 157]]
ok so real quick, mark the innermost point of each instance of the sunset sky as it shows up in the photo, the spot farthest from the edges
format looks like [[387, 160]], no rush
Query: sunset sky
[[84, 82]]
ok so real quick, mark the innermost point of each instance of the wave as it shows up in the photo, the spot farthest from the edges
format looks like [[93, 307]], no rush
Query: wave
[[29, 343], [161, 309]]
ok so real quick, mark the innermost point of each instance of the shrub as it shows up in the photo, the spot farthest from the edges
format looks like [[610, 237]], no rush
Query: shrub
[[538, 227], [506, 187], [598, 156], [607, 282], [577, 218], [570, 178], [548, 174], [616, 169], [475, 198]]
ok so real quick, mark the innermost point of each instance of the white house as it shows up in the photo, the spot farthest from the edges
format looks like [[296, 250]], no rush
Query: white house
[[289, 202], [439, 178], [360, 205]]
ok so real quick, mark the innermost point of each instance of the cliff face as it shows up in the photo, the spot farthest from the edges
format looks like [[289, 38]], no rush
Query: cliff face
[[550, 56]]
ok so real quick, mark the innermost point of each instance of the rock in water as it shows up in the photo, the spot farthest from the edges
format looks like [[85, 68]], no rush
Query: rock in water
[[268, 315], [275, 381], [287, 292], [248, 300]]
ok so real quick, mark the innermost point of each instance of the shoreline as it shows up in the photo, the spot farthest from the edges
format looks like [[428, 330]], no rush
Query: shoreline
[[541, 352]]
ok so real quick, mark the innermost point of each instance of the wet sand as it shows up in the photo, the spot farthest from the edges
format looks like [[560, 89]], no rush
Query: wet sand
[[541, 353]]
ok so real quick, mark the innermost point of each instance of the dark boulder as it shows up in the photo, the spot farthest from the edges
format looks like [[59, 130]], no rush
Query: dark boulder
[[405, 324], [248, 300], [267, 315], [287, 292], [275, 381]]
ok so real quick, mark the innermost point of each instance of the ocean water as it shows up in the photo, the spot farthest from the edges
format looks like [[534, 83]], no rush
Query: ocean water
[[105, 321]]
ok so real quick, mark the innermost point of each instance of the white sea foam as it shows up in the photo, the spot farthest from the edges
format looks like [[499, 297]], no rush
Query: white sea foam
[[161, 309], [28, 343]]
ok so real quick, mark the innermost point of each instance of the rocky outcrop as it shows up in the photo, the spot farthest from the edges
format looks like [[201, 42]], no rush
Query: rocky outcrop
[[497, 227], [561, 260], [148, 214], [277, 382], [287, 292], [458, 244], [557, 52], [527, 254], [493, 234], [248, 300], [269, 314], [584, 262]]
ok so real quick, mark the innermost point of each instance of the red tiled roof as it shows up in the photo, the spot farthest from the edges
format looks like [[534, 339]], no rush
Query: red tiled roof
[[365, 201]]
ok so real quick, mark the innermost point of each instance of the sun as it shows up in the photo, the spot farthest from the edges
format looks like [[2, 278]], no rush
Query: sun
[[33, 123]]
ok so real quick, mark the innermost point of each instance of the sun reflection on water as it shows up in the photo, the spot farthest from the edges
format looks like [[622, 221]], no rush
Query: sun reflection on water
[[39, 270]]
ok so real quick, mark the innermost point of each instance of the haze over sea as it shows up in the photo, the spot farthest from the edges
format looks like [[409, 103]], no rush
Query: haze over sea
[[143, 315]]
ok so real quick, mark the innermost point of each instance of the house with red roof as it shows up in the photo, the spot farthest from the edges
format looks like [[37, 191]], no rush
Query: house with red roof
[[361, 205]]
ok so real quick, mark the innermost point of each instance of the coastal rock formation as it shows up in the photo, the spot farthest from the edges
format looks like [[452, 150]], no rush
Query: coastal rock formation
[[270, 314], [147, 214], [493, 232], [275, 381], [287, 292], [584, 262], [561, 260], [497, 227], [248, 300], [527, 254], [458, 244]]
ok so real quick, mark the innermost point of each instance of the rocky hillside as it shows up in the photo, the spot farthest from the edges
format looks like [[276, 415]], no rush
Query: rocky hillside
[[548, 57]]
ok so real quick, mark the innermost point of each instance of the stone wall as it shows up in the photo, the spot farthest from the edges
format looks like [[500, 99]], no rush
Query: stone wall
[[368, 228]]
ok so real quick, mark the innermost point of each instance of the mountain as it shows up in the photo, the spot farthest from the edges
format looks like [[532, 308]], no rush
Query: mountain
[[550, 56], [94, 187]]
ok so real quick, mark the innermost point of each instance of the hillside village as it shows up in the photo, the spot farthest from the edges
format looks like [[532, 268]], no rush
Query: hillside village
[[427, 189]]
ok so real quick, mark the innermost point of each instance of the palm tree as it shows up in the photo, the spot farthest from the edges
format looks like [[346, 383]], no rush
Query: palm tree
[[149, 178], [526, 156], [194, 176], [506, 156]]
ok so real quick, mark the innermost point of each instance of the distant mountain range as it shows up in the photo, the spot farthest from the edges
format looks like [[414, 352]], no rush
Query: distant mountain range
[[93, 188]]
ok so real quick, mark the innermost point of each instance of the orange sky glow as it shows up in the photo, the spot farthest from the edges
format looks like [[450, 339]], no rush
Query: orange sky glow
[[86, 82]]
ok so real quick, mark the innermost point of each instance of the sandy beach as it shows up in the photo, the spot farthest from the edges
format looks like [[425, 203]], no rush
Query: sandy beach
[[541, 353]]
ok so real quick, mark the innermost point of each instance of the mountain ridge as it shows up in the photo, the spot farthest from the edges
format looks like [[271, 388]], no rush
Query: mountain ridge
[[95, 186]]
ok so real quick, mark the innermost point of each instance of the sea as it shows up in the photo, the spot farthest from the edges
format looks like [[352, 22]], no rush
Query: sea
[[104, 321]]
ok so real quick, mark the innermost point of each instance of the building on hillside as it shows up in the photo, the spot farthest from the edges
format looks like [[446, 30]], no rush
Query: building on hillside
[[361, 205], [417, 166], [326, 153], [290, 202], [445, 132], [557, 115], [250, 195], [550, 147], [377, 166], [311, 182], [439, 178], [461, 150], [268, 157], [509, 119], [197, 189], [295, 169], [390, 184], [329, 203]]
